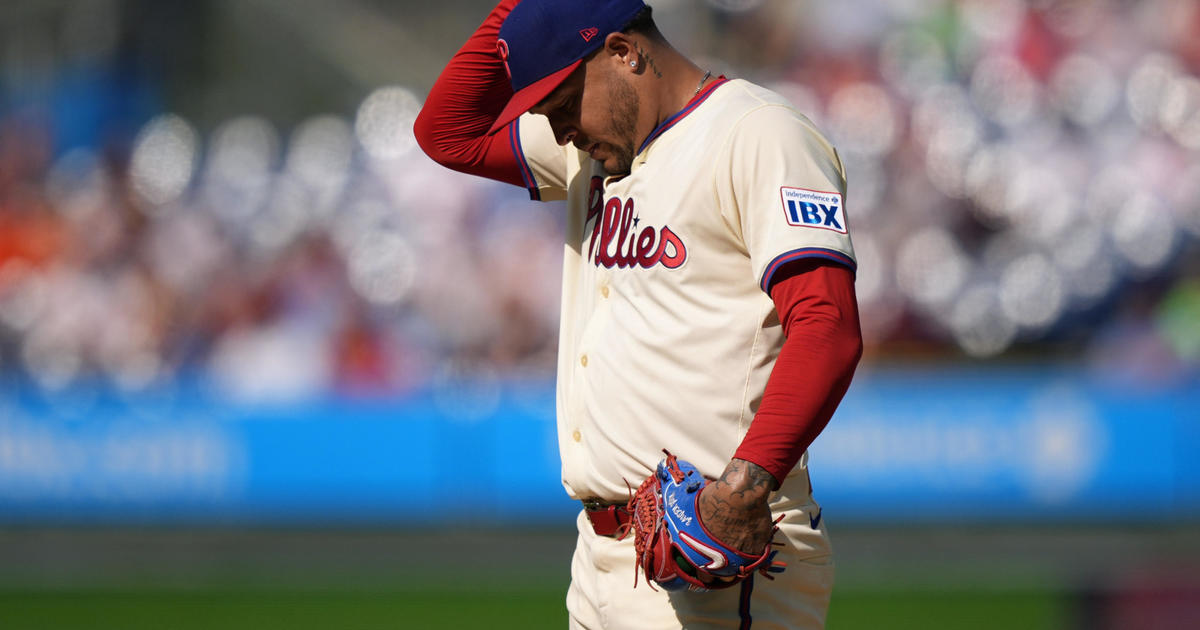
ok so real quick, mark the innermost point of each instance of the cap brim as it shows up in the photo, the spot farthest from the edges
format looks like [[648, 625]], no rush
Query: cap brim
[[531, 95]]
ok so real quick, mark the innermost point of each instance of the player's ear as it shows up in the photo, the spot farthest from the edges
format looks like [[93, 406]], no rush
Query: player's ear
[[623, 51]]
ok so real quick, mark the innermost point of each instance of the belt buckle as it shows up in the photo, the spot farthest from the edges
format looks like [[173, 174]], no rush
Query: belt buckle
[[594, 505]]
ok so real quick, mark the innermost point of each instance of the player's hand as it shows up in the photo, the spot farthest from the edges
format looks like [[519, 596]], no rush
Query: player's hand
[[734, 507]]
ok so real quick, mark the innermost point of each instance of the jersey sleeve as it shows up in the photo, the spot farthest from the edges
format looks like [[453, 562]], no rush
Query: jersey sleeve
[[545, 165], [782, 186]]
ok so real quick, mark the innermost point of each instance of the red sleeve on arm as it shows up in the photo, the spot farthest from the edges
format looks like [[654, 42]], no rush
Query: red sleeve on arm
[[467, 97], [817, 307]]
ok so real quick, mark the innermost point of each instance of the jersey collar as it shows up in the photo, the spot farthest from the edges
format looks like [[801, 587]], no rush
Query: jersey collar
[[681, 114]]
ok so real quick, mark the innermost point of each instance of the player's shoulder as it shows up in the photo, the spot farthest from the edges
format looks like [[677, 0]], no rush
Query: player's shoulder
[[749, 109], [751, 94], [739, 98]]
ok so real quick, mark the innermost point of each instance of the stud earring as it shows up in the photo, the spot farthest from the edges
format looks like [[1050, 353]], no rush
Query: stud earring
[[633, 64]]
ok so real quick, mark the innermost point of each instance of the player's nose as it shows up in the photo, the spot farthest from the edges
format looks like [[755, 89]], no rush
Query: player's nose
[[566, 136]]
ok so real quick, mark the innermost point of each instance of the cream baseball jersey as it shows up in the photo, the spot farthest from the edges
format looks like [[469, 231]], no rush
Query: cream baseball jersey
[[668, 334]]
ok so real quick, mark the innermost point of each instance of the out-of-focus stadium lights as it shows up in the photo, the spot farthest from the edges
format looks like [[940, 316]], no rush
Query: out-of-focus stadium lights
[[987, 183], [942, 118], [993, 20], [382, 266], [862, 119], [1085, 262], [952, 133], [941, 105], [319, 157], [931, 267], [1084, 90], [1043, 207], [360, 217], [1180, 114], [384, 124], [869, 279], [164, 156], [1145, 92], [185, 250], [913, 61], [286, 214], [977, 323], [870, 184], [1004, 90], [1144, 233], [1108, 190], [1031, 292], [242, 155]]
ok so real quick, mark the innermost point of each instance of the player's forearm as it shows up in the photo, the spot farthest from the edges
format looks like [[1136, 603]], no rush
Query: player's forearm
[[813, 371], [465, 100]]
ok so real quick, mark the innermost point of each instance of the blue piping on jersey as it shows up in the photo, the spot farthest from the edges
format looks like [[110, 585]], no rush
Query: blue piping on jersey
[[514, 138], [687, 109], [804, 252]]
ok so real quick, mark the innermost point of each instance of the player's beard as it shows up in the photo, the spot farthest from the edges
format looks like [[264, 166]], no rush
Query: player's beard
[[623, 111]]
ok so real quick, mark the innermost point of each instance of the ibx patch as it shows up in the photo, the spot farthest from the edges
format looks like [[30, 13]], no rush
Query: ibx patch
[[813, 208]]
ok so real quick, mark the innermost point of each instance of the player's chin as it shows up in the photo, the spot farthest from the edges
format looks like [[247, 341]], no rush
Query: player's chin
[[616, 165]]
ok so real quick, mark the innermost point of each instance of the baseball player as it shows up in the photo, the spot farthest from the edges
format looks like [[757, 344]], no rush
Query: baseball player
[[708, 299]]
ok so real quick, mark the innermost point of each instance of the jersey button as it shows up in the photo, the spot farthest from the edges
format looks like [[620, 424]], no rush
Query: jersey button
[[576, 435], [583, 360], [604, 290]]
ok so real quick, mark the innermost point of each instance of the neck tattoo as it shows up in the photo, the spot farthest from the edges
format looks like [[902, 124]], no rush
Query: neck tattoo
[[701, 84]]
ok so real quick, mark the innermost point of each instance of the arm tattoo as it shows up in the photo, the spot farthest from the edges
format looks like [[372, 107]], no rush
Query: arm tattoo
[[649, 60], [743, 513], [761, 481]]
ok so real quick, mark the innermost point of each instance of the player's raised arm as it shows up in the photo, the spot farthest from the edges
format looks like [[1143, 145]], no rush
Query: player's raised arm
[[465, 102]]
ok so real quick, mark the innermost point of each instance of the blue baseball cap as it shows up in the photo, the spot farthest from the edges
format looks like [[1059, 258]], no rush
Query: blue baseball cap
[[543, 41]]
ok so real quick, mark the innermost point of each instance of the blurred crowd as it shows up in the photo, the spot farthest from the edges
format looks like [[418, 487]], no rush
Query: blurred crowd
[[275, 275], [1024, 180], [1024, 176]]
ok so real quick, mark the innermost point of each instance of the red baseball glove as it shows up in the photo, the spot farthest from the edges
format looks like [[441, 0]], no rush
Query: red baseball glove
[[674, 548]]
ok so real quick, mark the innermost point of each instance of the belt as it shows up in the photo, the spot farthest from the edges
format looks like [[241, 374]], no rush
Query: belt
[[608, 518]]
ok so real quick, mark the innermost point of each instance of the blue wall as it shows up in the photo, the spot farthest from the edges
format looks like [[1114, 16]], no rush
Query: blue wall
[[907, 446]]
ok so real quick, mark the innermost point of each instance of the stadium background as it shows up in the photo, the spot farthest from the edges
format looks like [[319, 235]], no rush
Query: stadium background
[[264, 365]]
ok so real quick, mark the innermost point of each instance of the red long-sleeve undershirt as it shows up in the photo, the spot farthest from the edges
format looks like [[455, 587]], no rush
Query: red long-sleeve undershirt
[[814, 298], [819, 312], [466, 99]]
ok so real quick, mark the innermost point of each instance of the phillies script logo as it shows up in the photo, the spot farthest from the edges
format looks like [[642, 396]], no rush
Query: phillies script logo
[[615, 226]]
